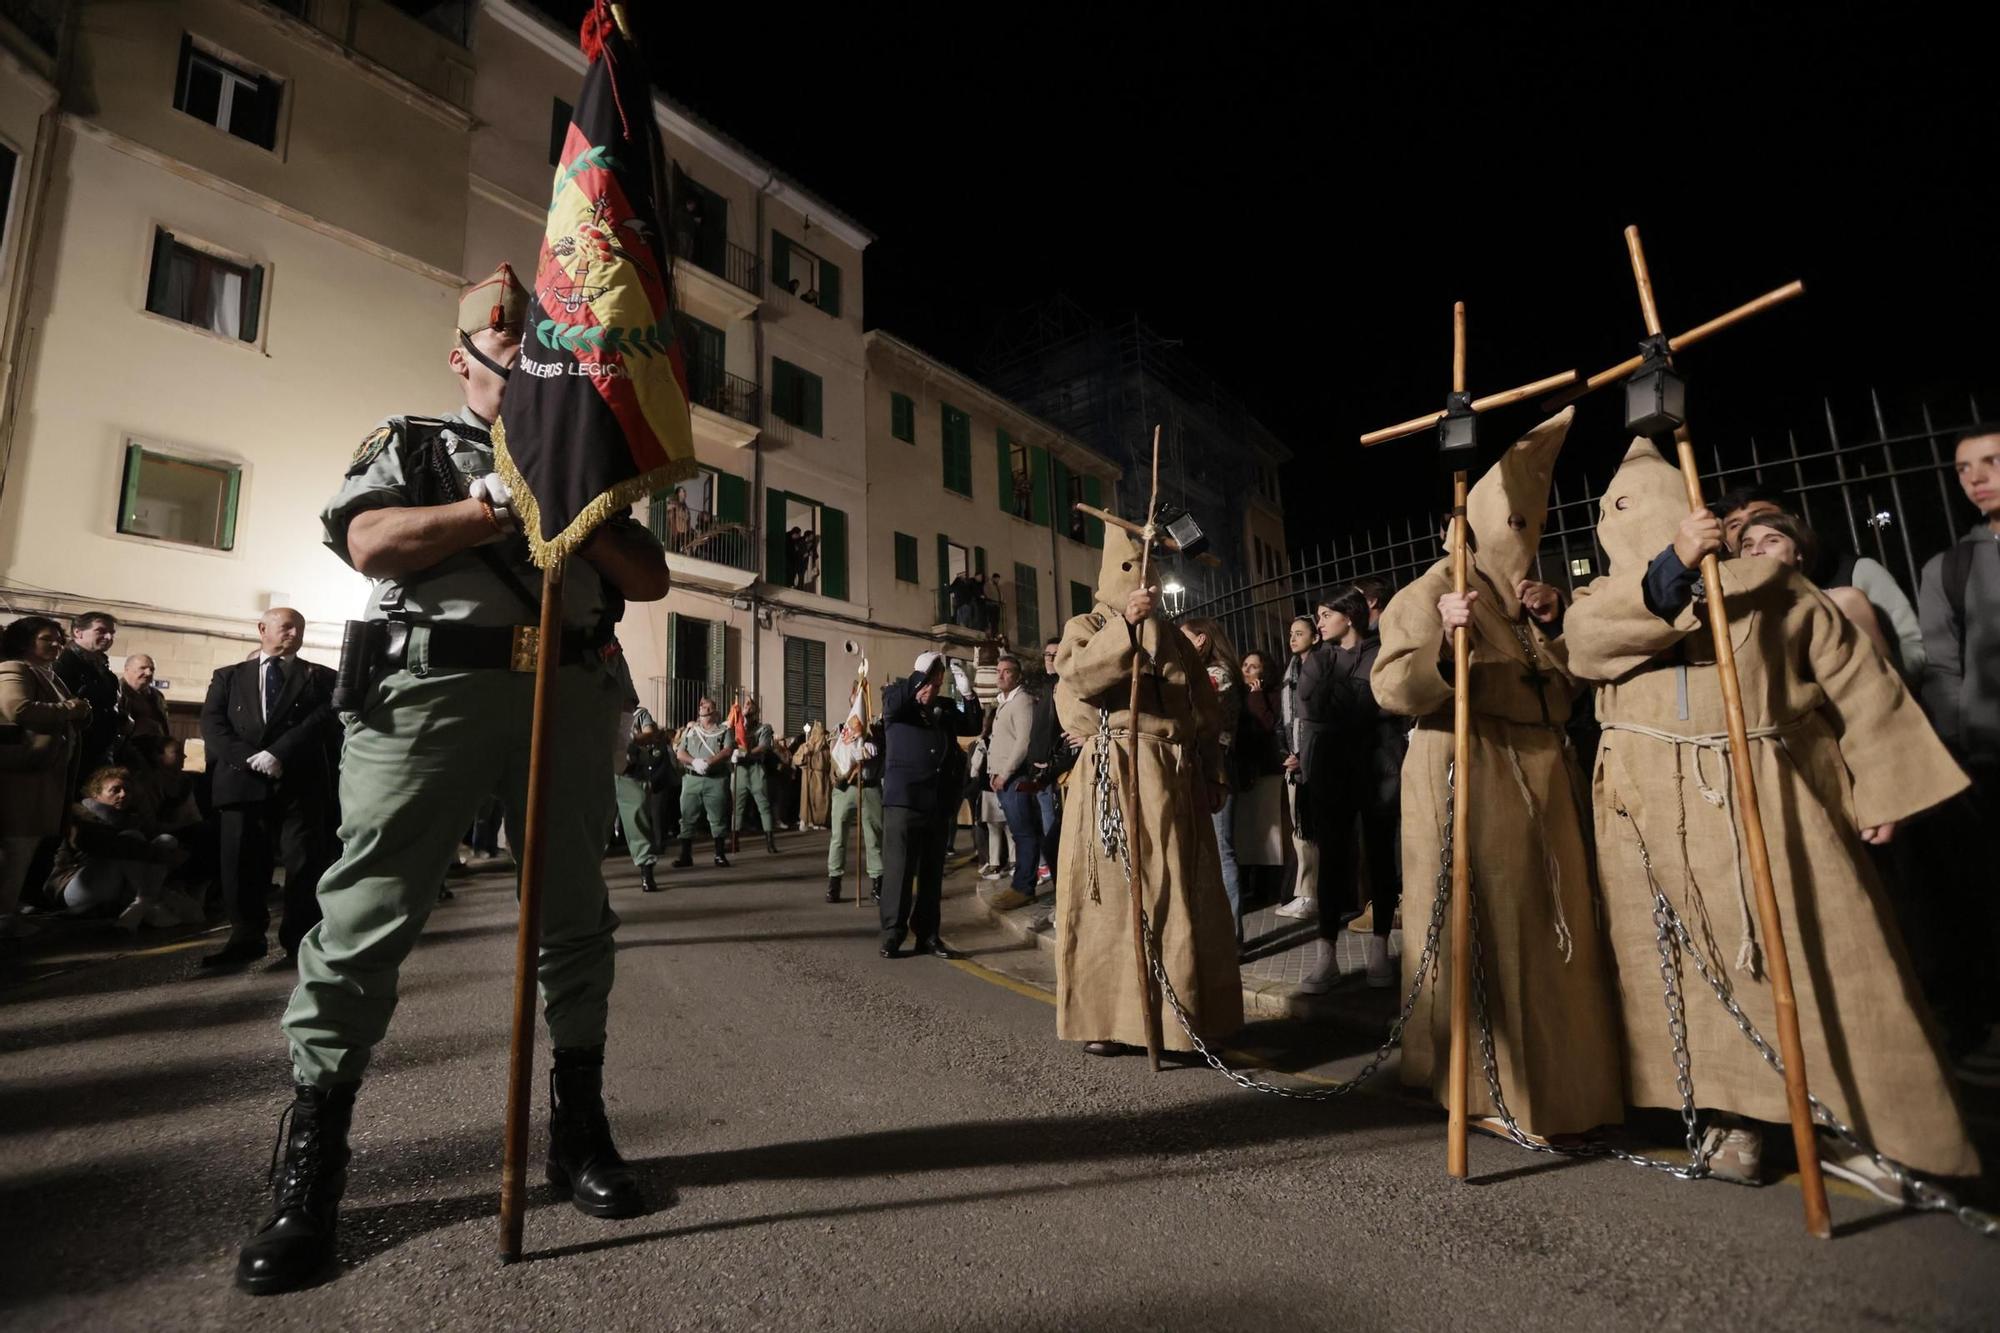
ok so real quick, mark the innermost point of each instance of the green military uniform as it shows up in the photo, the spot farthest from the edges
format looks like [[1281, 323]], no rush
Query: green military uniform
[[705, 795], [635, 810], [753, 777], [431, 740], [857, 779]]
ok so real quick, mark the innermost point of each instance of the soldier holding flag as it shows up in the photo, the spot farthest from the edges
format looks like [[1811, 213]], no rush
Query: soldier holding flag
[[463, 523]]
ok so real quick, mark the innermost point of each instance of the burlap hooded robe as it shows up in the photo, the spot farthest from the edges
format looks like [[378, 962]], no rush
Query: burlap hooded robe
[[1548, 988], [1098, 997], [1837, 744]]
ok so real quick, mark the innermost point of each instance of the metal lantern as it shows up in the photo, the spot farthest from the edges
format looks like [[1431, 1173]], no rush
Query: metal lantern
[[1458, 428], [1656, 395], [1182, 530]]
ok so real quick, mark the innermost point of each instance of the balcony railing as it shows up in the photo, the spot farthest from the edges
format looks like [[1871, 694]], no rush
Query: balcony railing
[[981, 616], [728, 261], [696, 534], [716, 389]]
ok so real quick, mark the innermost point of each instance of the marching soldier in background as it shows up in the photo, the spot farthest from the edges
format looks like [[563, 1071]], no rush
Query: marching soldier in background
[[444, 714], [755, 744], [703, 755], [857, 776]]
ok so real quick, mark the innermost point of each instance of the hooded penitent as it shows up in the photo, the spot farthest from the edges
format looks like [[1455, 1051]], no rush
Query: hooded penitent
[[1546, 974], [1837, 745], [1179, 757]]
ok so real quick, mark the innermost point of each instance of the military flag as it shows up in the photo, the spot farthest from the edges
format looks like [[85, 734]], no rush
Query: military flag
[[596, 414]]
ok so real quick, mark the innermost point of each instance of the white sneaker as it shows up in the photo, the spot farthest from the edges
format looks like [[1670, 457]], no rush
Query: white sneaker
[[990, 872], [1860, 1169], [1735, 1153], [1381, 972], [134, 915], [1300, 909], [1324, 976]]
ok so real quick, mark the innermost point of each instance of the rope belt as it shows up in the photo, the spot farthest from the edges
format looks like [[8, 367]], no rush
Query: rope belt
[[1748, 954]]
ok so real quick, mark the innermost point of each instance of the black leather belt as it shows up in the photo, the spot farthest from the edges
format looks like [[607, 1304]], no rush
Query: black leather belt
[[499, 647]]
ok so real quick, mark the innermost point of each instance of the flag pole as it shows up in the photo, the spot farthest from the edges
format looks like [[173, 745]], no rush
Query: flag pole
[[528, 935]]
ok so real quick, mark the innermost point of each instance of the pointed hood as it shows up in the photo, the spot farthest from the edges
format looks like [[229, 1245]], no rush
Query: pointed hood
[[1642, 508], [1118, 575], [1507, 507]]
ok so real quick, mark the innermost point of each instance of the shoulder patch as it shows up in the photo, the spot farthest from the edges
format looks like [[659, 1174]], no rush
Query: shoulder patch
[[372, 447]]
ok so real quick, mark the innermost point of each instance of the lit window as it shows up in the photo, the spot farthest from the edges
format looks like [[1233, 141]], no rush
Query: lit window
[[230, 98], [179, 499], [1580, 567]]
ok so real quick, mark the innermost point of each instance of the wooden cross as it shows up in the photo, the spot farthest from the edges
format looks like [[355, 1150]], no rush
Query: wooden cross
[[1811, 1185], [1454, 423]]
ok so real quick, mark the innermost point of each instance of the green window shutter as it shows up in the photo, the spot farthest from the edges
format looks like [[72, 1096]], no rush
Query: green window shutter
[[718, 662], [1038, 472], [979, 561], [956, 428], [832, 552], [775, 555], [829, 288], [732, 499], [1093, 494], [253, 304], [1003, 449], [781, 389], [1080, 599], [128, 503], [906, 558], [1059, 510], [944, 580], [902, 418], [795, 684], [234, 488], [673, 651], [809, 418], [781, 258], [1027, 612]]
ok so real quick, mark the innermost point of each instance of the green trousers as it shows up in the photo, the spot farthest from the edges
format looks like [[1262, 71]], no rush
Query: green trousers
[[871, 829], [753, 783], [704, 794], [419, 759], [635, 813]]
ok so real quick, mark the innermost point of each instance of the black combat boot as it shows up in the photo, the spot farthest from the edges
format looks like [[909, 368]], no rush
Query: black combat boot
[[833, 888], [770, 840], [584, 1164], [875, 888], [647, 884], [720, 859], [686, 858], [295, 1247]]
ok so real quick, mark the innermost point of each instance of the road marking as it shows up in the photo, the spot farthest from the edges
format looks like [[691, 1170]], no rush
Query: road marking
[[1002, 980]]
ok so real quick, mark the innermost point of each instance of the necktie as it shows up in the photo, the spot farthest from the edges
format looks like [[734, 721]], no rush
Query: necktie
[[274, 685]]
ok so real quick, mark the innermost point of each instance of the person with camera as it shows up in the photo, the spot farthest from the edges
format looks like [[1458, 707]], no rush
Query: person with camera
[[923, 772]]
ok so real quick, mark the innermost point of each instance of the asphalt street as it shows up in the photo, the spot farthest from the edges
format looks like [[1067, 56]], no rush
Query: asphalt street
[[836, 1141]]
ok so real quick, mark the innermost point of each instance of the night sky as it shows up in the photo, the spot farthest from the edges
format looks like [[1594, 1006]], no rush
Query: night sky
[[1300, 200]]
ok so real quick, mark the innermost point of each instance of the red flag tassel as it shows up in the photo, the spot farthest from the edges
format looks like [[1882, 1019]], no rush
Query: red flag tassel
[[595, 39]]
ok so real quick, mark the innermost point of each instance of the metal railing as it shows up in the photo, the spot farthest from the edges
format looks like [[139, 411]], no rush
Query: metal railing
[[1885, 494], [984, 613], [696, 533], [730, 262], [714, 388]]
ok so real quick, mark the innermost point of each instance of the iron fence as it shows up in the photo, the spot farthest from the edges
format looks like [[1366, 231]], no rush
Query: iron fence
[[730, 262], [1887, 494], [712, 387]]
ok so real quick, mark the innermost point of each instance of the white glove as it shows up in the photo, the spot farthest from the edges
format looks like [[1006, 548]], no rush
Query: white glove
[[701, 767], [267, 764], [493, 490], [958, 679]]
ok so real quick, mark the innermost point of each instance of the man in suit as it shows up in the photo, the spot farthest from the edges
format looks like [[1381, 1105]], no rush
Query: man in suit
[[273, 748], [922, 774]]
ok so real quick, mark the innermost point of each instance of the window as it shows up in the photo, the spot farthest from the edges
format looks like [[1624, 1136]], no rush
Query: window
[[702, 348], [559, 117], [957, 428], [196, 287], [697, 659], [237, 100], [701, 225], [805, 544], [1074, 524], [1093, 528], [906, 558], [8, 159], [954, 560], [179, 499], [795, 395], [804, 274], [903, 418], [805, 683], [1027, 611], [1080, 598], [1018, 498], [706, 516]]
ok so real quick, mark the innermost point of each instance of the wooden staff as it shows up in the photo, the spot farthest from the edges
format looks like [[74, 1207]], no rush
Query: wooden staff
[[860, 792], [1811, 1185], [1460, 1054], [1135, 834], [528, 934], [1457, 1074]]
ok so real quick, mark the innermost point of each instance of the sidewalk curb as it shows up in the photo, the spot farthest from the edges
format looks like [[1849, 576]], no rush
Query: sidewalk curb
[[1261, 999]]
